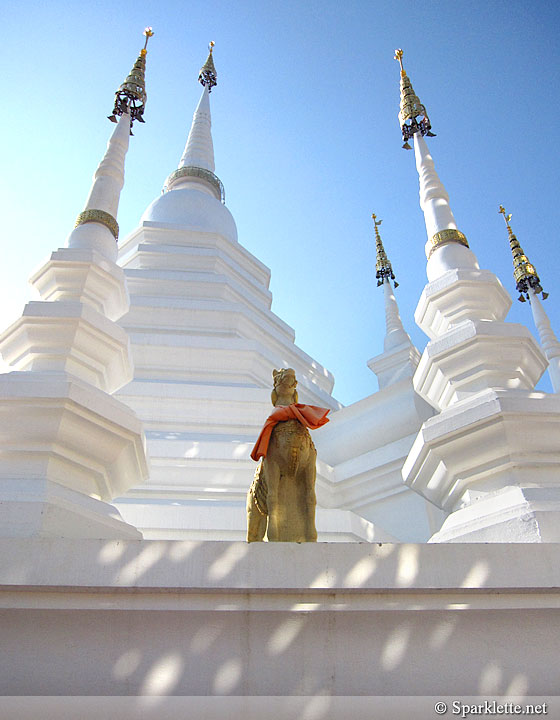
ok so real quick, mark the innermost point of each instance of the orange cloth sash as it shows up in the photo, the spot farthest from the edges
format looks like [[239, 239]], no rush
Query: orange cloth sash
[[309, 415]]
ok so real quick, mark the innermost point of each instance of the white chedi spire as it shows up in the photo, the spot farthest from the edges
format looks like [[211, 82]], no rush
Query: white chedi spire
[[196, 166], [96, 226], [108, 179], [199, 150], [395, 335], [74, 447], [446, 247], [434, 199], [549, 341], [193, 196], [400, 357], [528, 284]]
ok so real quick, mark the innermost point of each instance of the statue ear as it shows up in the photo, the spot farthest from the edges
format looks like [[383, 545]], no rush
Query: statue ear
[[275, 373]]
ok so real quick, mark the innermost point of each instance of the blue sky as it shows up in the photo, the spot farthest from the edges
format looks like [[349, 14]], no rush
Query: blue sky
[[306, 138]]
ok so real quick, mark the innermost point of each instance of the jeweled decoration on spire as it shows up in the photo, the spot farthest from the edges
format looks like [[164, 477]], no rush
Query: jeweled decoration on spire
[[413, 117], [383, 267], [524, 272], [208, 75], [131, 95]]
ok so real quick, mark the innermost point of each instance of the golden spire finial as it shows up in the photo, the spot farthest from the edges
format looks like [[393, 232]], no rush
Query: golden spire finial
[[148, 32], [524, 272], [413, 117], [507, 218], [208, 75], [383, 267], [376, 224], [399, 56], [131, 95]]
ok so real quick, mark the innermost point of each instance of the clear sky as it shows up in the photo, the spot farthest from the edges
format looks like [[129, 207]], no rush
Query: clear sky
[[306, 139]]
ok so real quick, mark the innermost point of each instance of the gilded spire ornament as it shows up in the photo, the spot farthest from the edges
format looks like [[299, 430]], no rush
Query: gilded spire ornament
[[524, 272], [383, 267], [208, 75], [413, 117], [131, 95]]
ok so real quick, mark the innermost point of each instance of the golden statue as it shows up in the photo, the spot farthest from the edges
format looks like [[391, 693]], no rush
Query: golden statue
[[281, 500]]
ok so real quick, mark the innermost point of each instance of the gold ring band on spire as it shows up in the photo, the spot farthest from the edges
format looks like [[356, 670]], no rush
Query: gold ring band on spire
[[99, 216], [443, 237], [197, 172]]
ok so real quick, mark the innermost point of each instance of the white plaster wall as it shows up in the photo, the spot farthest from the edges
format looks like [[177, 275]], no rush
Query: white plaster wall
[[183, 618], [364, 447], [124, 652]]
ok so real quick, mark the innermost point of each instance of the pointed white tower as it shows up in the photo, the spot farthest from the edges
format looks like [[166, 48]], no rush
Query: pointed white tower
[[67, 445], [486, 457], [199, 150], [400, 358], [205, 343], [527, 283]]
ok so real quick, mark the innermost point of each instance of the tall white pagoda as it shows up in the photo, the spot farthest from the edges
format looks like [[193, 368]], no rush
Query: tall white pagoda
[[205, 342], [67, 445], [127, 589], [490, 456]]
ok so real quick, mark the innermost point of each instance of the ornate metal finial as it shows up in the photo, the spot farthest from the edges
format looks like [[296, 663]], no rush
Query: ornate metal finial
[[524, 272], [413, 117], [208, 75], [399, 56], [382, 266], [148, 32], [507, 218], [131, 95]]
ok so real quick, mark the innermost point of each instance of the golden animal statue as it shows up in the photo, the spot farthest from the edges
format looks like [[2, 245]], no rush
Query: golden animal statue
[[281, 500]]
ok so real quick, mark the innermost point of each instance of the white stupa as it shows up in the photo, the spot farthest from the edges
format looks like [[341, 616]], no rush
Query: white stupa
[[490, 456], [205, 342], [67, 446]]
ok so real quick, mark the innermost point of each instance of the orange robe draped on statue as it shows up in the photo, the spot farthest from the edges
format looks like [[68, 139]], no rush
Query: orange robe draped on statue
[[309, 415]]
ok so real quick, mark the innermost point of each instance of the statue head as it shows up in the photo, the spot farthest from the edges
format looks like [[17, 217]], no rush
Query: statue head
[[285, 384]]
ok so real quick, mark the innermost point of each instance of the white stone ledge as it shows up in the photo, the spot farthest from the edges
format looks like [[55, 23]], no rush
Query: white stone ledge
[[32, 598], [311, 570], [185, 240]]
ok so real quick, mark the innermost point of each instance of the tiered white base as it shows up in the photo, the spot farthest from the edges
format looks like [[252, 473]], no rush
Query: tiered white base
[[64, 447], [480, 446], [514, 514], [35, 507], [221, 521]]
